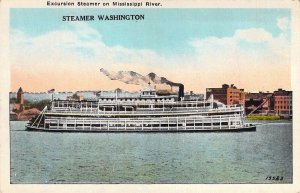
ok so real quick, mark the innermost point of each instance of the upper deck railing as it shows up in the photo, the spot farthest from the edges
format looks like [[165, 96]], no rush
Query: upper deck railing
[[137, 107], [161, 111]]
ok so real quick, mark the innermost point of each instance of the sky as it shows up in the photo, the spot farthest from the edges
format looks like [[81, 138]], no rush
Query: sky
[[200, 48]]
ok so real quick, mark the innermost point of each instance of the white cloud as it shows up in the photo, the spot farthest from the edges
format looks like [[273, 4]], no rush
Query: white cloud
[[81, 52], [251, 57], [253, 35], [283, 23]]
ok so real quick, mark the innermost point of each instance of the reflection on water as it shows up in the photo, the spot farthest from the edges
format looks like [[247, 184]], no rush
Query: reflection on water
[[245, 157]]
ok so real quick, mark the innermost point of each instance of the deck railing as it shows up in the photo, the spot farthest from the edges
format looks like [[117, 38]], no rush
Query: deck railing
[[162, 123], [96, 111]]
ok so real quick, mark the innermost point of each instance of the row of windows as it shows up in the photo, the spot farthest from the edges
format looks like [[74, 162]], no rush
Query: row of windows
[[284, 112], [283, 102], [84, 104], [238, 101], [283, 107], [137, 100], [149, 93], [234, 96], [283, 97]]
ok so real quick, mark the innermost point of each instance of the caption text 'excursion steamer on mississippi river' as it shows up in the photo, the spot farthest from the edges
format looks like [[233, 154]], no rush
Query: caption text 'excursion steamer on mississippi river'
[[102, 4]]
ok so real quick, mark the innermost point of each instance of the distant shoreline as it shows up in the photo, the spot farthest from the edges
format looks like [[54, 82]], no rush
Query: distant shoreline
[[267, 117]]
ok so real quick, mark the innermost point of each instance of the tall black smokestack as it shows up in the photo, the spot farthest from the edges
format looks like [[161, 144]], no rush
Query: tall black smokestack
[[180, 92]]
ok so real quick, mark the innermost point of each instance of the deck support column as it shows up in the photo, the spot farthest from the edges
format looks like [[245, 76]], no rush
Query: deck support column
[[125, 124], [177, 122]]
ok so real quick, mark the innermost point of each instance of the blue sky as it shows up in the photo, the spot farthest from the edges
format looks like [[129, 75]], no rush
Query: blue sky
[[164, 30], [198, 47]]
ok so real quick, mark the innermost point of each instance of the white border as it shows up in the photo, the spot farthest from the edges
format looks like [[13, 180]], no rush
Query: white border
[[5, 185]]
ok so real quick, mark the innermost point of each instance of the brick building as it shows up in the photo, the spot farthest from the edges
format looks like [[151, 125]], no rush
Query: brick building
[[229, 95], [219, 94], [277, 103], [283, 102], [261, 102]]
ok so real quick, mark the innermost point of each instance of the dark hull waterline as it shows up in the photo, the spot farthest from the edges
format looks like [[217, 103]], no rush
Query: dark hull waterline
[[248, 128]]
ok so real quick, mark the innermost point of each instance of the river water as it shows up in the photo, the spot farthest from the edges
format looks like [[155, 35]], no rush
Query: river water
[[243, 157]]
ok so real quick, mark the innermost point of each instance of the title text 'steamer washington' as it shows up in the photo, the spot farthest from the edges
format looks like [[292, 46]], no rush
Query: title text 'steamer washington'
[[102, 17]]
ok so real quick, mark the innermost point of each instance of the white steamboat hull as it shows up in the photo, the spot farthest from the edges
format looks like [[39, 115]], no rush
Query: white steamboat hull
[[141, 124], [142, 117]]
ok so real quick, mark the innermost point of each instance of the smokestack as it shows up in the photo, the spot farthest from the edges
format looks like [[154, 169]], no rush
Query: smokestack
[[180, 92]]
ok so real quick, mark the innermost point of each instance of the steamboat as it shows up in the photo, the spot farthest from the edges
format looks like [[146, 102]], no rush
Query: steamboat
[[146, 113]]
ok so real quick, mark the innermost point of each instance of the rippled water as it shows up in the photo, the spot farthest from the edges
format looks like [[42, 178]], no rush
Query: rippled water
[[245, 157]]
